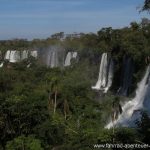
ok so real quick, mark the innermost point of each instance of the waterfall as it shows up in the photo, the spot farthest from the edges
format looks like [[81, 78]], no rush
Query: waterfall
[[135, 104], [24, 54], [56, 59], [48, 58], [102, 73], [105, 74], [1, 65], [7, 55], [34, 53], [74, 55], [147, 97], [28, 66], [52, 59], [70, 55], [126, 77], [14, 56], [68, 59], [110, 76]]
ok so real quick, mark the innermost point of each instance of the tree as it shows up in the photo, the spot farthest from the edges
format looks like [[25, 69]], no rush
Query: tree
[[144, 127], [58, 35], [127, 135], [116, 110], [146, 6], [54, 89], [66, 108], [24, 143], [145, 22], [134, 26]]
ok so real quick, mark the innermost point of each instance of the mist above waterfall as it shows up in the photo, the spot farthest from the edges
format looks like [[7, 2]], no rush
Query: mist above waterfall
[[134, 105], [53, 59], [52, 56]]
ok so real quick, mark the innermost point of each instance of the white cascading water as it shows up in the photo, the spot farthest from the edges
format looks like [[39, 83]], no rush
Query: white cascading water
[[70, 55], [53, 59], [52, 64], [14, 56], [10, 56], [102, 79], [135, 104], [104, 71], [56, 59], [147, 97], [68, 59], [7, 55], [28, 66], [24, 54], [1, 65], [110, 76], [74, 54], [34, 53], [48, 58]]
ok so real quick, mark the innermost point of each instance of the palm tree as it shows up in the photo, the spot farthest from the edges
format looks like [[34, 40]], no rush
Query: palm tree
[[116, 111], [66, 108], [54, 89], [50, 100]]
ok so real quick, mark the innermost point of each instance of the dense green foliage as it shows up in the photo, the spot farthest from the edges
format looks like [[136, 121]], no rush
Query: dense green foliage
[[146, 6], [44, 108]]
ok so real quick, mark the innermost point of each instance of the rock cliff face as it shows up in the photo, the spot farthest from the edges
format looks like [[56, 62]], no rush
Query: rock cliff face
[[126, 77]]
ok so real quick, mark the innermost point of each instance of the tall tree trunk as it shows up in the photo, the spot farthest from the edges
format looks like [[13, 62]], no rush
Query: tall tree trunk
[[49, 102], [55, 101], [66, 108]]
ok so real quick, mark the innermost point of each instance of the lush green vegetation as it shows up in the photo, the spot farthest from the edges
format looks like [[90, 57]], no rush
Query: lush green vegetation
[[29, 118], [146, 6]]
